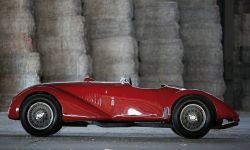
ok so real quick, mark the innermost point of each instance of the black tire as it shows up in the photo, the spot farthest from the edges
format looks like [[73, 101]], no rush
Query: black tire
[[193, 117], [175, 131], [41, 115]]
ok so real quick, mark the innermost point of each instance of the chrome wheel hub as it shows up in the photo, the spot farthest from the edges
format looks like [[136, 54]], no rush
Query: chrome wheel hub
[[40, 115], [193, 117]]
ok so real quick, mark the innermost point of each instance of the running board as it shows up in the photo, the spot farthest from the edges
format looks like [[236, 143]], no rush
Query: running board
[[153, 124], [108, 124], [76, 124]]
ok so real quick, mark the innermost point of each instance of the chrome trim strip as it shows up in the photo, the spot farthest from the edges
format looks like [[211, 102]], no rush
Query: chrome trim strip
[[165, 113]]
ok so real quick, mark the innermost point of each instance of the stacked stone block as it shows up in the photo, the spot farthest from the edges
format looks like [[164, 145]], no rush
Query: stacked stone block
[[245, 58], [201, 33], [160, 46], [60, 39], [20, 64], [111, 39]]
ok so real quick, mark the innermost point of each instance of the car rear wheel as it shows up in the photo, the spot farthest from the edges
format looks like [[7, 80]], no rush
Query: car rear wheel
[[41, 115], [192, 117]]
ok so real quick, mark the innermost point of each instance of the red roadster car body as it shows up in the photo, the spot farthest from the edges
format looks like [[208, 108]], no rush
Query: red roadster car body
[[118, 104]]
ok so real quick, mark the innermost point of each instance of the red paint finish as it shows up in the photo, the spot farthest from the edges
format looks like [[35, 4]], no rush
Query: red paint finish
[[103, 101]]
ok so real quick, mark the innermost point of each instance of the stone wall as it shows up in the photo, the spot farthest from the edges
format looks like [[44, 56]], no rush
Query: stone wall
[[19, 63], [242, 53], [60, 40], [111, 39], [160, 46], [201, 33], [176, 42]]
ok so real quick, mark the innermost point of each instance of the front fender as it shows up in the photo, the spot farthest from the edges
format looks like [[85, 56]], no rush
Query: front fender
[[223, 111], [73, 108]]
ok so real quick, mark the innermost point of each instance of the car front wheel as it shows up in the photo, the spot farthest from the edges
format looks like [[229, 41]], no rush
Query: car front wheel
[[192, 117]]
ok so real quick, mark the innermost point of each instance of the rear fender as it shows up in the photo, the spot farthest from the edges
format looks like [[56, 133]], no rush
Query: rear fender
[[73, 108]]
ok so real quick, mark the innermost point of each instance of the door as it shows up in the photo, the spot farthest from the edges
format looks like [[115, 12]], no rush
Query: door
[[98, 95], [132, 103]]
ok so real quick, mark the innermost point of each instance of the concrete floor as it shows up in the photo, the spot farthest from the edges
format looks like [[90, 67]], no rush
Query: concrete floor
[[12, 136]]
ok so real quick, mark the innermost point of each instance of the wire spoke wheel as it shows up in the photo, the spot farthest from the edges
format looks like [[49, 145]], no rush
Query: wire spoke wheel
[[193, 117], [40, 115]]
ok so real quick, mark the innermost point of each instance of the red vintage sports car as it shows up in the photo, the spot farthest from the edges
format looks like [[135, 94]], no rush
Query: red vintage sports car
[[43, 109]]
